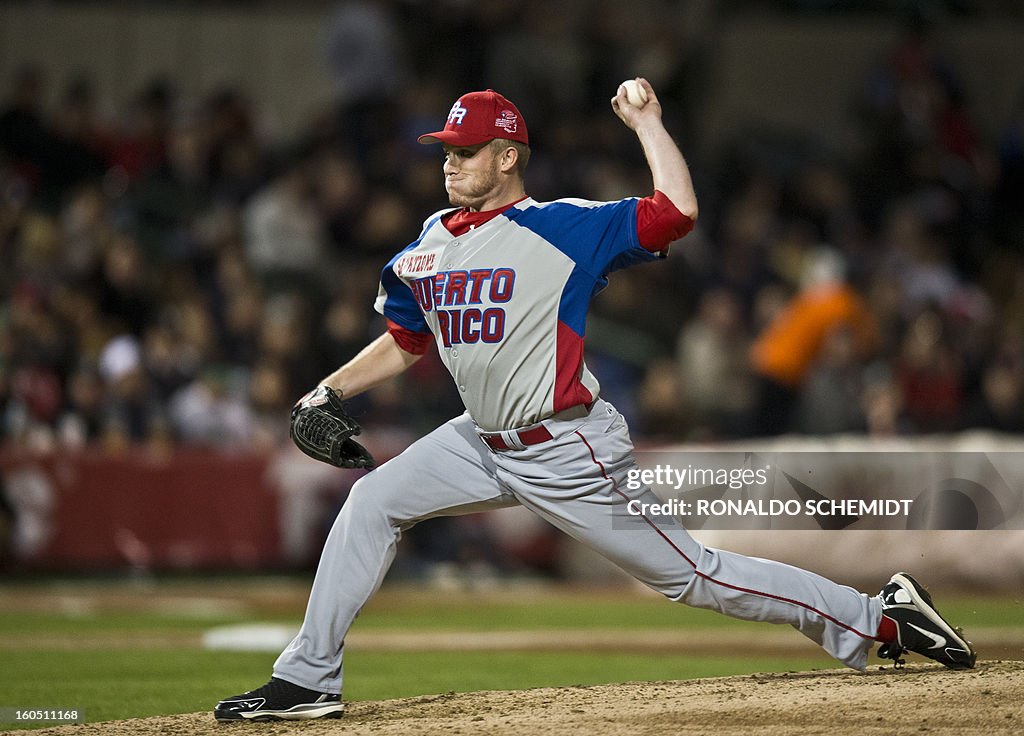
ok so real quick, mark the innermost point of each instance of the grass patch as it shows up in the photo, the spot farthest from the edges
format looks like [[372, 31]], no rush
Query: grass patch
[[556, 612], [13, 624], [109, 685], [438, 612]]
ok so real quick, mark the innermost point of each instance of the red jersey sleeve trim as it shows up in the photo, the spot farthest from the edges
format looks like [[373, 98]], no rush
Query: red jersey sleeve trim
[[659, 222], [410, 341]]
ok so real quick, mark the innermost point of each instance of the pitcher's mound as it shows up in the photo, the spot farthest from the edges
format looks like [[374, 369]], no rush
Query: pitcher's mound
[[920, 699]]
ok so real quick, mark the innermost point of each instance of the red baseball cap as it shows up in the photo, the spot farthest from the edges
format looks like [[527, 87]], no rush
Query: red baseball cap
[[478, 117]]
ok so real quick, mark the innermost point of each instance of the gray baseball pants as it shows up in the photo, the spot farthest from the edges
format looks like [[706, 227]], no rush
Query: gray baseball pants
[[576, 481]]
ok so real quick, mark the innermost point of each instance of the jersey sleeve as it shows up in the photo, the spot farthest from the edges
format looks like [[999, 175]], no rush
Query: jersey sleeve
[[394, 298], [395, 301], [412, 342], [659, 222]]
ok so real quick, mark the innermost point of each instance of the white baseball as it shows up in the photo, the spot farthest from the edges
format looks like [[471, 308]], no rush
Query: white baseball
[[635, 94]]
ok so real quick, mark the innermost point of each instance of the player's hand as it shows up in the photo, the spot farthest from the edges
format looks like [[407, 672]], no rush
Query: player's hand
[[634, 117]]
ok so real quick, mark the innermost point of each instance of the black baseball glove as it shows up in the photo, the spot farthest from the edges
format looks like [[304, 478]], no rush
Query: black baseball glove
[[322, 429]]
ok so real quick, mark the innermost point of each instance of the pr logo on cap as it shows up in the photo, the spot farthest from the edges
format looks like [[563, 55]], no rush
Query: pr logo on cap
[[457, 113]]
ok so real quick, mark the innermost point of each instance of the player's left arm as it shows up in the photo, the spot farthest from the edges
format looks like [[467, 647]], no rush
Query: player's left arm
[[671, 212], [381, 360]]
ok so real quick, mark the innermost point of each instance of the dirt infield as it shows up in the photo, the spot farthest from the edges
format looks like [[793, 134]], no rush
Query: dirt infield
[[920, 699]]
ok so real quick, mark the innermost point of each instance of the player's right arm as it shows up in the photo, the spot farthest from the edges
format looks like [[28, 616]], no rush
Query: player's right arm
[[381, 360], [668, 167], [670, 213]]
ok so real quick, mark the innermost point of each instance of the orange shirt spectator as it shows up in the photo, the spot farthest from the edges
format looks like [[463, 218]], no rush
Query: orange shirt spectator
[[790, 343]]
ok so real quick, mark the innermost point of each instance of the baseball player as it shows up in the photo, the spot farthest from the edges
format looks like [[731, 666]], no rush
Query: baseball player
[[501, 283]]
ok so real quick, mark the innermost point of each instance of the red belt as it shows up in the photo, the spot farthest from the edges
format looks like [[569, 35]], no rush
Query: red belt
[[534, 436]]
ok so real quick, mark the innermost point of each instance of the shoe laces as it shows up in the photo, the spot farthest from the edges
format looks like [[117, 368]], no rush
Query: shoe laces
[[894, 651]]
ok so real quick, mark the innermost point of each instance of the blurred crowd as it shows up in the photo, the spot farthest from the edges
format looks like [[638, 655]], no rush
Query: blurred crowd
[[169, 272]]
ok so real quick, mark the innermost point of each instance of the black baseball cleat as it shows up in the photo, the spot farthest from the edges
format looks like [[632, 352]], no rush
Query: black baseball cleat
[[279, 700], [920, 628]]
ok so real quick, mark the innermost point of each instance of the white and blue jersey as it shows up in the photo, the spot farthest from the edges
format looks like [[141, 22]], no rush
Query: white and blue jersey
[[507, 301]]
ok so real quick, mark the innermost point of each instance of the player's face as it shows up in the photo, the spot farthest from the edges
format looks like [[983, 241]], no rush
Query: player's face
[[471, 174]]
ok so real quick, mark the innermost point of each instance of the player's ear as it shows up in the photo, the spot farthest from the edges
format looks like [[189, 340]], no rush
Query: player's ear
[[509, 159]]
